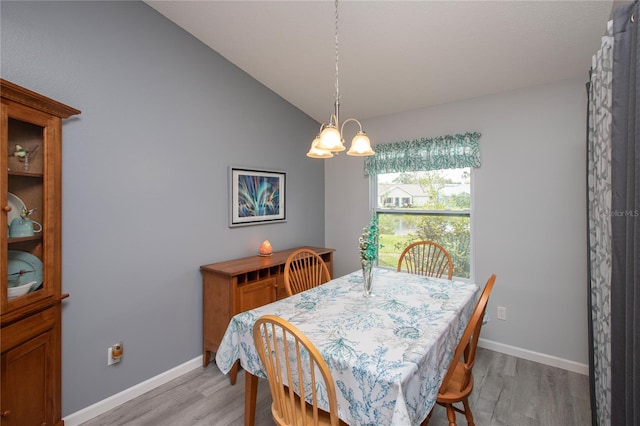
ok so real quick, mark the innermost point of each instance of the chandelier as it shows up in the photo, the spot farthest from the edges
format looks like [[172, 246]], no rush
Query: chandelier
[[330, 139]]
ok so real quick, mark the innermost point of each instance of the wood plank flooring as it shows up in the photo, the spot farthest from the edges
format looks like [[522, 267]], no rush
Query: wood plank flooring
[[508, 391]]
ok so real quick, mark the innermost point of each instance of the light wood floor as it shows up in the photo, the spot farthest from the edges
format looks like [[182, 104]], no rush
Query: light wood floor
[[508, 391]]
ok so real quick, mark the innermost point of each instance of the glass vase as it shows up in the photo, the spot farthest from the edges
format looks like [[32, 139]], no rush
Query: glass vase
[[367, 274]]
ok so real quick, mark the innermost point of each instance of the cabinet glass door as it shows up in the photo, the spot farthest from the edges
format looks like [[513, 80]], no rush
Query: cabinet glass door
[[25, 232]]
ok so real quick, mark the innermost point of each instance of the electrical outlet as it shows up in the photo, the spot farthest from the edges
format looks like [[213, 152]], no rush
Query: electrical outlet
[[502, 313]]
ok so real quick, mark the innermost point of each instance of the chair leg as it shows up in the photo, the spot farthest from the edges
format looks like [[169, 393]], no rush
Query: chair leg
[[467, 412], [451, 415]]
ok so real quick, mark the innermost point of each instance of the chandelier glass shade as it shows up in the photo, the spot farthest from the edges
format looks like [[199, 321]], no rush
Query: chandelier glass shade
[[360, 145], [331, 137], [316, 152]]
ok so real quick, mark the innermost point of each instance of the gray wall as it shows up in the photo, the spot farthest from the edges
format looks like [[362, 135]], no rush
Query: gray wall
[[529, 208], [145, 178]]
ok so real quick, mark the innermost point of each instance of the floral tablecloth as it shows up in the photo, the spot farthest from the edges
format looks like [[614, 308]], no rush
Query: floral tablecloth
[[387, 354]]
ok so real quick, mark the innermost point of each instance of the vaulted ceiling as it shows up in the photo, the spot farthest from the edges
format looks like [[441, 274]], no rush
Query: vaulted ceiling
[[396, 56]]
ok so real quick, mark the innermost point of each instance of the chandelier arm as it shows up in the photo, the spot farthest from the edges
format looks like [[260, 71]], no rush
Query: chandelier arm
[[333, 122], [346, 121]]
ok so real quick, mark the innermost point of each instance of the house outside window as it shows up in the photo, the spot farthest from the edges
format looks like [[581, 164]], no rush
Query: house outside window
[[431, 205]]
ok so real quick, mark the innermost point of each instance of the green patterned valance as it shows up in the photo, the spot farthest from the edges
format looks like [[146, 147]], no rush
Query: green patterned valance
[[442, 152]]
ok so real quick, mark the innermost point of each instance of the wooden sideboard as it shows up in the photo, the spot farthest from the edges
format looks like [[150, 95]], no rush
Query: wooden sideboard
[[238, 285]]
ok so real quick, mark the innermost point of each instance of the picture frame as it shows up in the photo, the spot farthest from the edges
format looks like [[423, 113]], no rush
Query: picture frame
[[256, 196]]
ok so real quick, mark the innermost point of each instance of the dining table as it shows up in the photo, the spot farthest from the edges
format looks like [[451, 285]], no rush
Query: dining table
[[387, 353]]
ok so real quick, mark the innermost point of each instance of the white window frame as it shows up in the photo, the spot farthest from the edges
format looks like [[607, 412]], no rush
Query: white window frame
[[373, 205]]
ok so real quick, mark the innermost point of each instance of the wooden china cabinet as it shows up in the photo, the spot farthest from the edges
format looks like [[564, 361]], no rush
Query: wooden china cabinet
[[30, 286]]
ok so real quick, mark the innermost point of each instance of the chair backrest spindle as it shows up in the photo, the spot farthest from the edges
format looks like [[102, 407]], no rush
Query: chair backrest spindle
[[426, 258], [303, 270]]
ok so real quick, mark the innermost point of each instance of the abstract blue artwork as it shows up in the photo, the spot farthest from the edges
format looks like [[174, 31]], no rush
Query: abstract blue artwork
[[257, 196]]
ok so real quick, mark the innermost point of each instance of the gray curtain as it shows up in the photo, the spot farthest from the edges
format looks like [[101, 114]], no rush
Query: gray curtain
[[599, 220], [625, 219]]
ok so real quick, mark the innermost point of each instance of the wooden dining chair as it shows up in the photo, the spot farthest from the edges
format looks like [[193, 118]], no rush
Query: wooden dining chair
[[458, 382], [303, 270], [426, 258], [286, 354]]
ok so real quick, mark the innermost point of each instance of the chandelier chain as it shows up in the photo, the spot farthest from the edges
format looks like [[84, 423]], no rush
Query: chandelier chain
[[337, 59]]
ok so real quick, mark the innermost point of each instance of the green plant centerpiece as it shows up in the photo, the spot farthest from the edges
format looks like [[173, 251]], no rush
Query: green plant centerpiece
[[368, 245]]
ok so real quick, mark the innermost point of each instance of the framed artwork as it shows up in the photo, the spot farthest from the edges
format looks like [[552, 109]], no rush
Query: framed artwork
[[257, 196]]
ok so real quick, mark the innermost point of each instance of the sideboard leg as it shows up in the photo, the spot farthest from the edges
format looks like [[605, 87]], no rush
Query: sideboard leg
[[206, 357]]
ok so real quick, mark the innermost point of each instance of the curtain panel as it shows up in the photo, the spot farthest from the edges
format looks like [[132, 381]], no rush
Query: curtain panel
[[442, 152], [599, 222], [625, 218]]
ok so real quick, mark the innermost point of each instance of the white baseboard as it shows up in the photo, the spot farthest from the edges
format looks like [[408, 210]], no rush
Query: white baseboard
[[553, 361], [113, 401]]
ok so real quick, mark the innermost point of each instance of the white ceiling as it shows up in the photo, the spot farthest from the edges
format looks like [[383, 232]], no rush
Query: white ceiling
[[396, 55]]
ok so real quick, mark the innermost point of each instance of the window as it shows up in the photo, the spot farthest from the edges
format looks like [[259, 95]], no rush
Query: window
[[425, 205], [422, 191]]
